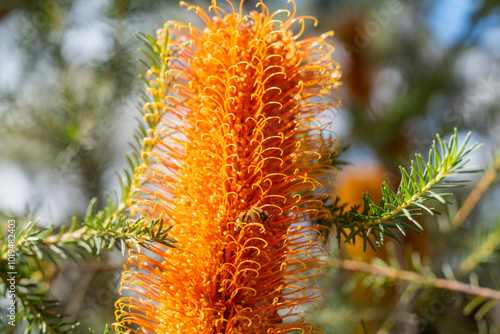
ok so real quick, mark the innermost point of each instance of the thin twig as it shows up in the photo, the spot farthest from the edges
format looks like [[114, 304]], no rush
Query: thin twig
[[476, 194], [412, 277], [479, 254], [400, 307]]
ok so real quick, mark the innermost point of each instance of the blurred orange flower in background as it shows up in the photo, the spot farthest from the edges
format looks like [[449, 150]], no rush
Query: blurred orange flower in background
[[365, 177], [242, 168]]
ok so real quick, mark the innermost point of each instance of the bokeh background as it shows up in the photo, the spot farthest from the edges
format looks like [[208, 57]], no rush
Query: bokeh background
[[69, 93]]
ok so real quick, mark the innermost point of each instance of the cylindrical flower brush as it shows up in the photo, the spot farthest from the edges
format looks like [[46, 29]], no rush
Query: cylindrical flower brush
[[241, 169]]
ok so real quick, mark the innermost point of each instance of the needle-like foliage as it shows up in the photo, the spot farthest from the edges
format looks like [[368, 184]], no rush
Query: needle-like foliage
[[397, 209]]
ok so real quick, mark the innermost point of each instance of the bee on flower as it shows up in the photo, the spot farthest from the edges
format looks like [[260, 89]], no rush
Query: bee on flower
[[252, 216]]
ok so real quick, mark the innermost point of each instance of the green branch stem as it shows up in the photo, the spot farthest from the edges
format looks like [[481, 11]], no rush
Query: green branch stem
[[440, 176]]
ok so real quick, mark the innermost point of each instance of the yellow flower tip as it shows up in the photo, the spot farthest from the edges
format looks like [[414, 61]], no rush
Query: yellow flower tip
[[242, 172]]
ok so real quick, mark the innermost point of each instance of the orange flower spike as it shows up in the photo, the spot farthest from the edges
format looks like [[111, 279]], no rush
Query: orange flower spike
[[241, 171]]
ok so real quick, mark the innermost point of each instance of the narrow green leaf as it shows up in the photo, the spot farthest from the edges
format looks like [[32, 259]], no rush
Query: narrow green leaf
[[472, 305], [485, 309]]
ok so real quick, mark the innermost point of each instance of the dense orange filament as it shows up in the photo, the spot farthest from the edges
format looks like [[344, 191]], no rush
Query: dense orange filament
[[239, 101]]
